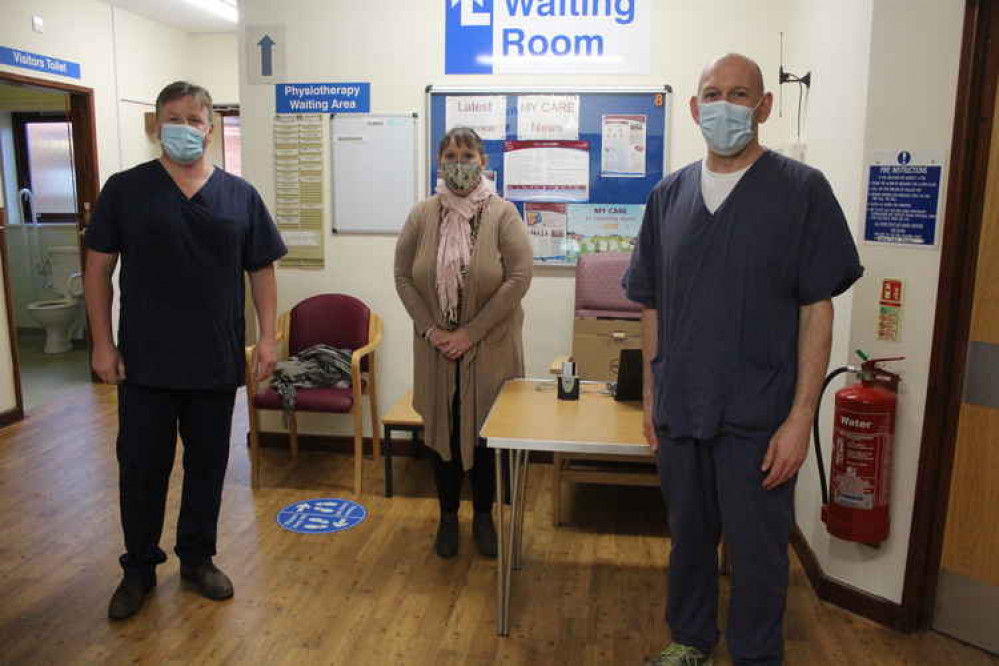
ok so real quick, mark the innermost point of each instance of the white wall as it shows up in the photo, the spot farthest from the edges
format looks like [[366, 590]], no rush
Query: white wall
[[410, 55], [885, 78], [215, 64]]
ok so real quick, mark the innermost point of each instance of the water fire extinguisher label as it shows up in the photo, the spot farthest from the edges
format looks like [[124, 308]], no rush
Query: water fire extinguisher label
[[860, 465]]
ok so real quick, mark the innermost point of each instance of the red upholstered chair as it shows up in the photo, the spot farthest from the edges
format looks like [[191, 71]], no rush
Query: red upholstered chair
[[340, 321], [598, 287]]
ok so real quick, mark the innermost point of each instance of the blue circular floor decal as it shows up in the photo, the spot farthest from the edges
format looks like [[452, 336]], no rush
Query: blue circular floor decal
[[319, 516]]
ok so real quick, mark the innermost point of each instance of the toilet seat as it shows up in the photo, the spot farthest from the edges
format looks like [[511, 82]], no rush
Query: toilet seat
[[52, 304]]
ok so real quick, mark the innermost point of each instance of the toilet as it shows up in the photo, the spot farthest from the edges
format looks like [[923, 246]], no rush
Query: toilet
[[60, 316]]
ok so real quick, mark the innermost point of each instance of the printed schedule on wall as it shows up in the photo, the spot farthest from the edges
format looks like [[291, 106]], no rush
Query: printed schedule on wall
[[298, 171]]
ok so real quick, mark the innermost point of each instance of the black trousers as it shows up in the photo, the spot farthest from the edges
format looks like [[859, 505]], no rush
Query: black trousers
[[148, 423], [449, 474], [715, 488]]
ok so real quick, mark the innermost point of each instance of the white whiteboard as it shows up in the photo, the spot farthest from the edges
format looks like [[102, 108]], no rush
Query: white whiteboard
[[374, 160]]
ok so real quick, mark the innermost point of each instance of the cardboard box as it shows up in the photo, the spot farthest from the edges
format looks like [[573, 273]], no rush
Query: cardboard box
[[597, 345]]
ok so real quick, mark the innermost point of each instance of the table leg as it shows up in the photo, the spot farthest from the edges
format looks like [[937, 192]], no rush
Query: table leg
[[514, 457], [387, 453], [502, 573], [520, 507]]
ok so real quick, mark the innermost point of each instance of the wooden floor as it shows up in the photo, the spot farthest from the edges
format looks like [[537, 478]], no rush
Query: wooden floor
[[589, 593]]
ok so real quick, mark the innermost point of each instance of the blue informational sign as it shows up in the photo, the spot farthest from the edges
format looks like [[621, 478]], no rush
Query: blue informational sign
[[902, 201], [323, 97], [547, 36], [39, 63], [320, 516]]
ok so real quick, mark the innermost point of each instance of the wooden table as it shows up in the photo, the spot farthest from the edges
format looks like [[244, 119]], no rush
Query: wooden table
[[527, 416]]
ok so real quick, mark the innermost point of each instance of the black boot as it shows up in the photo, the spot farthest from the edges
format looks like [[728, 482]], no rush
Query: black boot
[[447, 536], [484, 532], [209, 579], [128, 598]]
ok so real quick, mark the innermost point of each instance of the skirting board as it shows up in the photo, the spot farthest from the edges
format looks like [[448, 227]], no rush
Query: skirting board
[[845, 596], [11, 416]]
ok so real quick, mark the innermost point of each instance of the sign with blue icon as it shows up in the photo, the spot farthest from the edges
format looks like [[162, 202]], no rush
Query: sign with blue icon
[[547, 36], [38, 62], [321, 516], [903, 198]]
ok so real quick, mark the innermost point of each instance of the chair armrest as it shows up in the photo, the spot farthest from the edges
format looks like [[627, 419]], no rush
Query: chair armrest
[[374, 340]]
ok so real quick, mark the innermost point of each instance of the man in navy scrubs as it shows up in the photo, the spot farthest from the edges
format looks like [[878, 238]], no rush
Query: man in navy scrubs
[[736, 264], [185, 233]]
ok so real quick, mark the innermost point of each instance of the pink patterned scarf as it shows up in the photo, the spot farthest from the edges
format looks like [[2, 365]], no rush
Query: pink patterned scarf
[[454, 250]]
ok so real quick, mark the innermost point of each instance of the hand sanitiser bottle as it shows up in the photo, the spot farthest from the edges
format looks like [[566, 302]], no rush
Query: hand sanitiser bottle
[[568, 382]]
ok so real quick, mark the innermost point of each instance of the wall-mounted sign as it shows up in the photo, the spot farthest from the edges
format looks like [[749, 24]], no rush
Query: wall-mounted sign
[[39, 63], [265, 48], [323, 97], [903, 198], [547, 36], [890, 310]]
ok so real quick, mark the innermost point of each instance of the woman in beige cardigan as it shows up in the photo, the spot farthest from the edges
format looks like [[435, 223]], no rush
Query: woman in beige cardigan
[[462, 265]]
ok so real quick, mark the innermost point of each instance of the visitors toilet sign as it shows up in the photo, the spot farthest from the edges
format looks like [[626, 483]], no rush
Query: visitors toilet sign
[[547, 36], [320, 516], [38, 62], [903, 198]]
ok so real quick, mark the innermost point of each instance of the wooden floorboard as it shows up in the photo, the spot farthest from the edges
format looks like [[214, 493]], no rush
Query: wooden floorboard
[[590, 592]]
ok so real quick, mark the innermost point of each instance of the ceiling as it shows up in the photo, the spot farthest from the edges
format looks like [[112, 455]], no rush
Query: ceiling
[[182, 14]]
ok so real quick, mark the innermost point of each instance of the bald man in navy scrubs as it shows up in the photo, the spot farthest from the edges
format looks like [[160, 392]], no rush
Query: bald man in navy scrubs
[[736, 264], [185, 233]]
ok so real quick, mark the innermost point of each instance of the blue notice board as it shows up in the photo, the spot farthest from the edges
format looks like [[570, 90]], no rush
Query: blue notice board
[[617, 182], [903, 197], [321, 515], [594, 105]]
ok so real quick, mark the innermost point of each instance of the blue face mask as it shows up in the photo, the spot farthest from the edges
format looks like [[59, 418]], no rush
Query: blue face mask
[[182, 143], [727, 127]]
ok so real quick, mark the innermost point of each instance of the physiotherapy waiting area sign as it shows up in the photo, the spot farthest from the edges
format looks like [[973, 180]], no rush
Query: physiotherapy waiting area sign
[[547, 36]]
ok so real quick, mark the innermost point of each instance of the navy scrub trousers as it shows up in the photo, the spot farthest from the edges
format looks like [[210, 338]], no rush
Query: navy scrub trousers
[[713, 488], [148, 422]]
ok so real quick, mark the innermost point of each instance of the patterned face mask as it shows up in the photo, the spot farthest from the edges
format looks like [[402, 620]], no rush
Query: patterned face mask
[[461, 177]]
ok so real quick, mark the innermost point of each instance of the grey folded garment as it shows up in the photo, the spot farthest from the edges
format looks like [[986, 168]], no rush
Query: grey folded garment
[[319, 366]]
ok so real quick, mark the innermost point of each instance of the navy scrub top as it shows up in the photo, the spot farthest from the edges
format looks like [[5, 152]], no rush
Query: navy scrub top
[[181, 280], [728, 288]]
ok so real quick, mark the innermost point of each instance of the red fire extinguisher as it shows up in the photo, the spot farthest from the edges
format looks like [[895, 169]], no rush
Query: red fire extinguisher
[[863, 432]]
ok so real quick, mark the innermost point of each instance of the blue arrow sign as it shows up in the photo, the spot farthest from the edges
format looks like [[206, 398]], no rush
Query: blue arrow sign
[[266, 56]]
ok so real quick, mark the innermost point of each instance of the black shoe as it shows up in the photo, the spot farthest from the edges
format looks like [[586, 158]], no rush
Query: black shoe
[[484, 532], [209, 579], [131, 593], [447, 536]]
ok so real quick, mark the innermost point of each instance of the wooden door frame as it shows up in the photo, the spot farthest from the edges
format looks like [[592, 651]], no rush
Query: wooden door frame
[[83, 117], [973, 120]]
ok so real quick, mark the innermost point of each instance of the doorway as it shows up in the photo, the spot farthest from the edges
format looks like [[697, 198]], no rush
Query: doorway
[[49, 177]]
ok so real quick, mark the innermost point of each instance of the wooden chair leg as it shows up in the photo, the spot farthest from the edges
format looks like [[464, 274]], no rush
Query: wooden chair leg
[[358, 448], [293, 436], [254, 442], [376, 438]]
